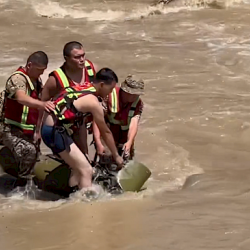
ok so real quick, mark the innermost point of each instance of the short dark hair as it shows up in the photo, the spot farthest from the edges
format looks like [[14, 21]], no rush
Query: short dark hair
[[106, 75], [68, 47], [38, 57]]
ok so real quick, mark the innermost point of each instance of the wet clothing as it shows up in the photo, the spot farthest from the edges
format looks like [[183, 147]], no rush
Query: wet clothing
[[64, 83], [20, 121], [66, 114], [17, 114], [23, 149], [56, 139], [119, 117], [67, 120]]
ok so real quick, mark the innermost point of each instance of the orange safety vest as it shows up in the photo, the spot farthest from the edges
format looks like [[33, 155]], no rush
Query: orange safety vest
[[64, 82], [65, 112], [117, 116], [20, 115]]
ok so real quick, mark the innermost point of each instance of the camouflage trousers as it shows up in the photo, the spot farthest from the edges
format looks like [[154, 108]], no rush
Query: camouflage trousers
[[23, 149]]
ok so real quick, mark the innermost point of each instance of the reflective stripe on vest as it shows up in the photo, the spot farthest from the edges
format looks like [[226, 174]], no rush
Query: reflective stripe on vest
[[89, 68], [80, 89], [64, 80], [64, 101], [25, 113], [114, 101], [130, 115]]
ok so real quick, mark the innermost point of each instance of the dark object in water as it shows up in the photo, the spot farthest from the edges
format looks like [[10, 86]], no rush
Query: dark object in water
[[51, 174]]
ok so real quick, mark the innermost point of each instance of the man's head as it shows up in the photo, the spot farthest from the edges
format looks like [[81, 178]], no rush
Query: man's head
[[74, 55], [36, 64], [131, 89], [105, 81]]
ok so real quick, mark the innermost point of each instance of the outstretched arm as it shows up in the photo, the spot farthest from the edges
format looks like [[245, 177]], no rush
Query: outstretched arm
[[50, 89], [26, 100], [133, 129], [90, 104], [97, 138]]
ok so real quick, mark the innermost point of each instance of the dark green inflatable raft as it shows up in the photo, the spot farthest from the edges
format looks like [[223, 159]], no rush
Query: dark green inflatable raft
[[52, 174]]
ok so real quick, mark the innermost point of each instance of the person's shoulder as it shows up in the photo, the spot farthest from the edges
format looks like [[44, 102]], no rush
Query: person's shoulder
[[16, 82], [87, 102], [50, 81], [95, 66], [53, 72], [90, 98], [18, 78]]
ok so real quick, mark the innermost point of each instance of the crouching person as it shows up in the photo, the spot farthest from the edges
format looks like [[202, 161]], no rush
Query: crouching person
[[21, 109], [70, 111], [124, 110]]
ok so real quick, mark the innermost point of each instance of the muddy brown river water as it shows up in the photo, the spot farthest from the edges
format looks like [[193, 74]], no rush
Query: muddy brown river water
[[194, 134]]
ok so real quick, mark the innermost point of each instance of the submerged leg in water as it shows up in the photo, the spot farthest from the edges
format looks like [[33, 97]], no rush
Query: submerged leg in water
[[82, 170], [24, 152], [62, 144]]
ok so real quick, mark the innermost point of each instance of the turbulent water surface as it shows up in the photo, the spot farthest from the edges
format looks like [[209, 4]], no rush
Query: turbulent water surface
[[194, 134]]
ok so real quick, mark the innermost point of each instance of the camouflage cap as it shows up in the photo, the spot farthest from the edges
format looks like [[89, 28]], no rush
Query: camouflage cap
[[133, 86]]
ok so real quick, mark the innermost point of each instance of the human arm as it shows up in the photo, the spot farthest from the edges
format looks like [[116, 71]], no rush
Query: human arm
[[133, 128], [105, 131], [27, 100], [16, 88], [90, 104], [50, 89], [37, 134], [97, 138]]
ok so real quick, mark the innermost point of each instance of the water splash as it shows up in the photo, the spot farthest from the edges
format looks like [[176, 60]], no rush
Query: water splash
[[56, 10], [50, 9]]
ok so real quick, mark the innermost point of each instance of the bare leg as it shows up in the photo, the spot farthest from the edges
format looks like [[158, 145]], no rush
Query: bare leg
[[73, 181], [80, 139], [82, 170]]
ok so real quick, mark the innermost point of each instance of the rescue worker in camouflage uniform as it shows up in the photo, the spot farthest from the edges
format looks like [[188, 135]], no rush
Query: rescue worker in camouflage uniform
[[124, 109], [21, 109]]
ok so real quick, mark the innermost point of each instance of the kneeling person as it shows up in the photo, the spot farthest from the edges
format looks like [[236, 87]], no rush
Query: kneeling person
[[70, 111], [21, 110]]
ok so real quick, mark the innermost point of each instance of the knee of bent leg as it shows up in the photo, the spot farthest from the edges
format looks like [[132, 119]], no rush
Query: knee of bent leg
[[86, 170], [32, 150], [29, 153], [25, 150]]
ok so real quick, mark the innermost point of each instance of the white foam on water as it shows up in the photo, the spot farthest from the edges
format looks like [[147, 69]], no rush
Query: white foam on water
[[19, 201], [52, 9], [177, 169], [56, 10]]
